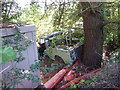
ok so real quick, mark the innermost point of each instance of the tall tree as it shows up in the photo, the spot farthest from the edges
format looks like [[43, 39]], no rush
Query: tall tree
[[93, 33], [67, 13]]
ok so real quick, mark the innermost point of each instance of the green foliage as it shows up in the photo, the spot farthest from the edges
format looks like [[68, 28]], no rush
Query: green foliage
[[85, 83], [115, 57], [111, 31], [37, 66], [8, 54], [112, 41], [66, 15], [10, 12], [68, 37], [34, 15], [18, 47], [58, 41], [55, 18], [90, 82], [94, 79], [41, 66], [82, 80], [15, 75], [73, 85]]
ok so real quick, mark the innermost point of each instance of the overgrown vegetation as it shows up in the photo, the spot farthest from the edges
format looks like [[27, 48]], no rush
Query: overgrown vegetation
[[7, 53], [10, 12], [44, 67], [59, 16], [67, 15], [106, 78], [14, 55]]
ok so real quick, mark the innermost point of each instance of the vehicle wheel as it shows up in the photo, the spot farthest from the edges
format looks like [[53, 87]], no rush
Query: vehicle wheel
[[59, 59]]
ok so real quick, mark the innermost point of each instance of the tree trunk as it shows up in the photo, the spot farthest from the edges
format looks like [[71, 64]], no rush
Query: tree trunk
[[93, 33]]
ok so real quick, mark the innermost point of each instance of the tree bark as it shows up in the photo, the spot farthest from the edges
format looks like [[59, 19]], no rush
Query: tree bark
[[93, 33]]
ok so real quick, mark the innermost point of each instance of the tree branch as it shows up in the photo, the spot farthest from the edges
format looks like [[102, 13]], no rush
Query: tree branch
[[109, 22]]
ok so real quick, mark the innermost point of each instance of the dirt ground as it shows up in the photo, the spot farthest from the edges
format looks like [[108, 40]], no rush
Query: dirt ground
[[107, 77]]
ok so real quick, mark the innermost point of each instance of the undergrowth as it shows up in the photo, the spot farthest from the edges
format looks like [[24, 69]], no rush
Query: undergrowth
[[107, 77]]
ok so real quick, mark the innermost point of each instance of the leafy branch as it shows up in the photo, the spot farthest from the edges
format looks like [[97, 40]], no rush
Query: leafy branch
[[15, 75], [111, 22]]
